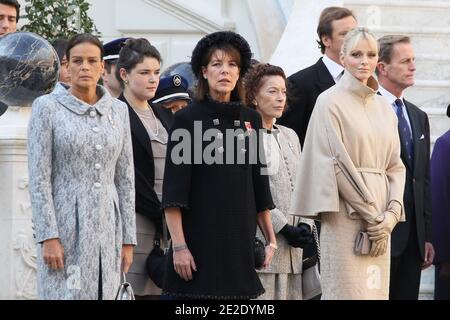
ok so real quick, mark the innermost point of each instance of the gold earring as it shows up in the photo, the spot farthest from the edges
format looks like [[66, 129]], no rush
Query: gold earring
[[127, 82]]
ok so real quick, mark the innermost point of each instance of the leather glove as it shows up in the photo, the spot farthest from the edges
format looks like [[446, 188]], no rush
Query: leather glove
[[297, 237], [379, 247], [386, 223]]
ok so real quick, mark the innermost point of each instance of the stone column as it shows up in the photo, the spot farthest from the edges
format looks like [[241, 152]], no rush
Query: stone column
[[297, 48], [267, 20], [17, 247]]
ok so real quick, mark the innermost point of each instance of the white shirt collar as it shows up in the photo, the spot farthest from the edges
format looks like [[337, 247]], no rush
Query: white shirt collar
[[334, 68], [389, 96]]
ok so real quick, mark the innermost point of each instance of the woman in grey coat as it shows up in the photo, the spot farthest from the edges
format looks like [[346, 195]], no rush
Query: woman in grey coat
[[266, 92], [81, 182]]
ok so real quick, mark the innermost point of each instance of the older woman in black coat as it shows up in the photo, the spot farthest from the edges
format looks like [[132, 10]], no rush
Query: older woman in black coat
[[212, 212]]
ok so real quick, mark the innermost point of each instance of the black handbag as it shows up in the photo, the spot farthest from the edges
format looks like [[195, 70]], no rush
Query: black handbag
[[260, 253], [157, 259], [156, 262]]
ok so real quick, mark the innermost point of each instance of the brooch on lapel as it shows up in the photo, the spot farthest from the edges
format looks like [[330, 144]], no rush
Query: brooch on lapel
[[248, 126], [111, 120], [291, 146]]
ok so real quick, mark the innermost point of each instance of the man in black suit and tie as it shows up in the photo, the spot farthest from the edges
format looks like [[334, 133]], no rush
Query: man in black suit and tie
[[411, 248], [305, 86]]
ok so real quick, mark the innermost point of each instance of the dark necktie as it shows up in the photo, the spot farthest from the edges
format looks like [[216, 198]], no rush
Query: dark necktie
[[405, 133]]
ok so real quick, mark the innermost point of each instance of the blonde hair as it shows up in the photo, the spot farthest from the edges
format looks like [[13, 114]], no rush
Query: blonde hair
[[355, 36]]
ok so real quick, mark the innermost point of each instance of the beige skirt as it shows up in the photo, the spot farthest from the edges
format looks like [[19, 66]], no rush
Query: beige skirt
[[137, 275], [344, 275], [281, 286]]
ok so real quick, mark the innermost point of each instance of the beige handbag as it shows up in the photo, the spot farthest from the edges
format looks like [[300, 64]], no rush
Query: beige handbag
[[362, 244], [311, 286]]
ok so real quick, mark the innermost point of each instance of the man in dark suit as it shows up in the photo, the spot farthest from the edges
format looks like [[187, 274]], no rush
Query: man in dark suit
[[9, 16], [305, 86], [411, 248], [112, 50]]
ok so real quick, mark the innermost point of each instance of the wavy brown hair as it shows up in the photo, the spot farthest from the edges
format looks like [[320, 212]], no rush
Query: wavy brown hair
[[202, 89], [253, 80]]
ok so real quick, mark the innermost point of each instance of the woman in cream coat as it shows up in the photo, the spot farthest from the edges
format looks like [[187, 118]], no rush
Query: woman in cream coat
[[351, 176], [266, 92]]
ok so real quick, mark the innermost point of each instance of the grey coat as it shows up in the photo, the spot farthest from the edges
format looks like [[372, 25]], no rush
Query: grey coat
[[82, 191], [286, 259]]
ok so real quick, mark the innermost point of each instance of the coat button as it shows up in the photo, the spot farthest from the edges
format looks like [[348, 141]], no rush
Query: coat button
[[95, 129], [92, 114], [97, 166], [97, 185], [98, 147]]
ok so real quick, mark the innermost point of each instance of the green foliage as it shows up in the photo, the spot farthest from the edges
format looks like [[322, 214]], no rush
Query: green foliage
[[53, 19]]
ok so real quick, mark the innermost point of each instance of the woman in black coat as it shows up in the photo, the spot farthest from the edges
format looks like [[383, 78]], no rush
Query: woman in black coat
[[138, 71], [215, 193]]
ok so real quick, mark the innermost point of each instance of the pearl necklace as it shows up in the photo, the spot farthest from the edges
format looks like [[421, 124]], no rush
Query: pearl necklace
[[155, 121]]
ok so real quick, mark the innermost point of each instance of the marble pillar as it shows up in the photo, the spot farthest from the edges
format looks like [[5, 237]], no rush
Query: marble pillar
[[29, 68], [17, 247], [298, 48]]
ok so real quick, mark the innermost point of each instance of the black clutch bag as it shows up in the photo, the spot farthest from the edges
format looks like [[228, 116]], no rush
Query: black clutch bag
[[260, 253], [156, 262]]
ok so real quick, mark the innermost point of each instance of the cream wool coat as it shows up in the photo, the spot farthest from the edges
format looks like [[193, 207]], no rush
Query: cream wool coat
[[350, 172], [282, 279]]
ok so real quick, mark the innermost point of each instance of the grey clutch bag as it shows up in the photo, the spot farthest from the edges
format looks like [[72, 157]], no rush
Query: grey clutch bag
[[362, 244]]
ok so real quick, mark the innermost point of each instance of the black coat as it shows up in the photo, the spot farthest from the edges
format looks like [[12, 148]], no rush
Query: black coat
[[147, 202], [219, 203], [303, 89], [417, 197]]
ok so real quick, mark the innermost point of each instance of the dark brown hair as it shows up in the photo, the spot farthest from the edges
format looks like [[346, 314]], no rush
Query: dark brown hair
[[134, 52], [253, 80], [109, 64], [202, 89], [13, 3], [60, 46], [326, 19], [84, 38]]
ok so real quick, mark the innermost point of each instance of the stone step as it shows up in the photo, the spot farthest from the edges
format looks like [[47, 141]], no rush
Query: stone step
[[432, 67], [426, 40], [439, 122], [427, 90], [401, 13], [427, 284]]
